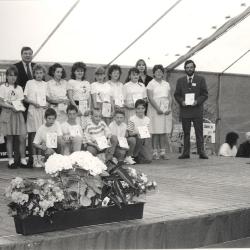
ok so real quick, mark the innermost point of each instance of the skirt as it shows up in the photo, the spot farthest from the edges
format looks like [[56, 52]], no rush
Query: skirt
[[35, 119], [12, 123]]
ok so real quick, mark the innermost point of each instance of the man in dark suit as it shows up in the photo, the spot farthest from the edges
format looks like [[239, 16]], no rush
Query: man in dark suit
[[191, 92], [24, 74]]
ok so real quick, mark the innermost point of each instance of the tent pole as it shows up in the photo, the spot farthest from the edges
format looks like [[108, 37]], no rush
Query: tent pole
[[55, 29]]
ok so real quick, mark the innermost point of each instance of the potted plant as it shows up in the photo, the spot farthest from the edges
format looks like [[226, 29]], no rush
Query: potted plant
[[79, 190]]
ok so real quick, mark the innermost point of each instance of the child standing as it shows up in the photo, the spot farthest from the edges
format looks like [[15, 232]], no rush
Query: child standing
[[159, 111], [143, 148], [114, 74], [11, 118], [72, 132], [101, 93], [57, 91], [118, 129], [35, 95], [133, 90], [79, 92]]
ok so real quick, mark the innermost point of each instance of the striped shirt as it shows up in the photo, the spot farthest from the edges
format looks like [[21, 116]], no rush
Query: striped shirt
[[93, 131], [135, 122]]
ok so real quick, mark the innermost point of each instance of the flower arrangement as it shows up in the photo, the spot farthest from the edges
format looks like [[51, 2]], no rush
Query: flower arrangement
[[79, 180]]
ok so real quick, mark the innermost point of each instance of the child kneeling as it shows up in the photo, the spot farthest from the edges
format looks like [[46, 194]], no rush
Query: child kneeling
[[48, 138], [95, 130], [143, 148], [118, 129]]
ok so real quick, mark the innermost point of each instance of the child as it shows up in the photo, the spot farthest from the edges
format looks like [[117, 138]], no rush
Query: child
[[133, 90], [143, 148], [79, 92], [229, 149], [57, 91], [11, 118], [72, 132], [101, 93], [114, 74], [118, 129], [97, 128], [35, 95], [48, 134], [159, 111]]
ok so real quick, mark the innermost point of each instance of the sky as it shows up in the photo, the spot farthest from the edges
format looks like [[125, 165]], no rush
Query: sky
[[97, 31]]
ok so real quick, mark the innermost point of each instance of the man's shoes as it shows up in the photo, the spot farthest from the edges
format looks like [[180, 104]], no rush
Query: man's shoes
[[203, 156], [184, 157]]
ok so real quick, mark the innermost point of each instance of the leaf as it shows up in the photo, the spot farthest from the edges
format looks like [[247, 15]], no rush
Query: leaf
[[125, 176], [94, 184], [118, 191], [115, 200]]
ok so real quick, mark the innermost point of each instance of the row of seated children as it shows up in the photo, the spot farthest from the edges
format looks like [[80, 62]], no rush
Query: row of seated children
[[117, 142]]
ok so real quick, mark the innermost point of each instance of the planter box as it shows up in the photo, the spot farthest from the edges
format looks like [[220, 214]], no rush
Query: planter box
[[77, 218]]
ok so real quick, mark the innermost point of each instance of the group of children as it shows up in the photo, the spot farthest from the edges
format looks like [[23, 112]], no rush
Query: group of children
[[107, 118]]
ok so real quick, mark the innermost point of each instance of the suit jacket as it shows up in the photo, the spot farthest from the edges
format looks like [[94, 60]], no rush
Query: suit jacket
[[22, 75], [199, 88]]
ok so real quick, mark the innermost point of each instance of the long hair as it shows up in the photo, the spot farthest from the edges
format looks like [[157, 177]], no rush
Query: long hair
[[146, 69], [78, 65], [231, 139], [12, 70]]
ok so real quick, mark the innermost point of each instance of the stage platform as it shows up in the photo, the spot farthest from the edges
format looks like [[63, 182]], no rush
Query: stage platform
[[199, 203]]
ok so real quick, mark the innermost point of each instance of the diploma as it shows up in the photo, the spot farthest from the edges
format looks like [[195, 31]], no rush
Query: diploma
[[189, 98], [41, 100], [106, 109], [83, 106], [75, 131], [164, 103], [18, 105], [51, 140], [143, 132], [123, 143], [102, 142], [119, 101]]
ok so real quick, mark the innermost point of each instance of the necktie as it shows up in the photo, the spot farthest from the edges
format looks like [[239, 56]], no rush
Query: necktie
[[190, 82], [28, 72]]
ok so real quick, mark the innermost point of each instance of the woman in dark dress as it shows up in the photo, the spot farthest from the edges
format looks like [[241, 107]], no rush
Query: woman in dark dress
[[142, 67]]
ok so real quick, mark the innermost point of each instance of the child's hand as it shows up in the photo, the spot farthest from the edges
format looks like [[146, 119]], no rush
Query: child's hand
[[159, 112], [43, 146], [86, 113], [66, 138], [167, 112], [49, 151]]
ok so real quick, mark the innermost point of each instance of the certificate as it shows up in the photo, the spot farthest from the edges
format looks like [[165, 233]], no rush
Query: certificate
[[189, 98], [106, 109], [119, 101], [136, 97], [75, 131], [2, 139], [62, 107], [105, 97], [18, 105], [51, 140], [164, 103], [41, 100], [123, 143], [83, 106], [143, 132], [102, 142]]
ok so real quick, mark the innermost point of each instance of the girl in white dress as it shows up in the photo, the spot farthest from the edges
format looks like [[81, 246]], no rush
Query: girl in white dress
[[133, 90], [101, 93], [78, 90], [159, 111], [35, 94], [11, 118], [57, 91]]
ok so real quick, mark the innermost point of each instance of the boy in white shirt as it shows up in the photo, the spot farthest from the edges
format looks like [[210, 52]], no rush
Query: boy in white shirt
[[118, 129], [72, 132], [48, 137]]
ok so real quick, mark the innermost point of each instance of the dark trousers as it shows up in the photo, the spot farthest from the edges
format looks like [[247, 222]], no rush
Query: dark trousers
[[198, 128]]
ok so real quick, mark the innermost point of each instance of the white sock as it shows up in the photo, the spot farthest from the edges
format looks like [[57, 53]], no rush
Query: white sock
[[23, 161], [11, 161]]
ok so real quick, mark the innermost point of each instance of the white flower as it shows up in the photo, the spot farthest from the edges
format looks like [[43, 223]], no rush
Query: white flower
[[105, 202], [57, 163], [132, 172], [88, 162], [144, 178], [19, 197]]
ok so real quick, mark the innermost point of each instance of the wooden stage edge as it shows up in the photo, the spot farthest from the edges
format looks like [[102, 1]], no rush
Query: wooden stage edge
[[199, 203]]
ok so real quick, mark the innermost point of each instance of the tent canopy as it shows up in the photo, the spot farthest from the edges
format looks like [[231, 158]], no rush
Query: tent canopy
[[97, 31]]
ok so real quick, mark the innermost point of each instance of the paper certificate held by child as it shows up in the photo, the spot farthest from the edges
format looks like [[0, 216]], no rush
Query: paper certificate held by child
[[143, 132], [18, 105], [189, 98], [51, 140], [119, 101], [83, 106], [164, 103], [123, 143], [41, 100], [75, 131], [106, 109], [102, 142]]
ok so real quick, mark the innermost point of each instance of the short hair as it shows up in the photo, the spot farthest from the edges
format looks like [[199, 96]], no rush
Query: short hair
[[78, 65], [53, 68], [140, 102], [25, 48], [12, 69], [119, 111], [113, 68], [231, 138], [50, 112], [141, 60], [38, 67], [189, 61], [135, 70], [158, 66], [71, 107]]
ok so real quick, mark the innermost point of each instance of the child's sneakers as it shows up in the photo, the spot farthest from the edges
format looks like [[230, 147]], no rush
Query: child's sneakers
[[129, 160], [163, 154], [156, 155]]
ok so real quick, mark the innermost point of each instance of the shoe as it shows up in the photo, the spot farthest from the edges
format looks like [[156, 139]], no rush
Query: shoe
[[37, 164], [156, 156], [129, 160], [184, 157], [164, 156], [203, 156], [12, 166]]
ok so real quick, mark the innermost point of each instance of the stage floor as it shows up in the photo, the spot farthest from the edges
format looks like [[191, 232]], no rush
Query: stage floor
[[186, 188]]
